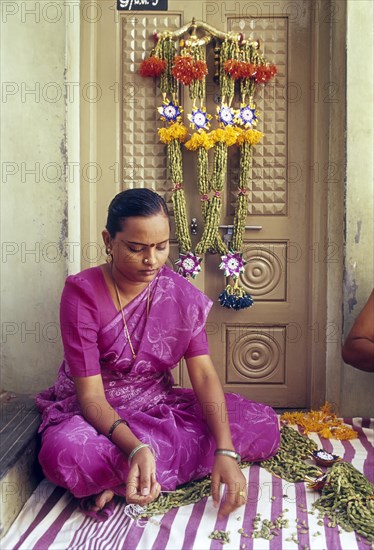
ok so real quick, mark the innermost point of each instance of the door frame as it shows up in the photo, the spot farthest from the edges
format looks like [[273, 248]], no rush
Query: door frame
[[326, 242]]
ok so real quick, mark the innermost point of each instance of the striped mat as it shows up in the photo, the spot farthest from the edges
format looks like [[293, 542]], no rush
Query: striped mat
[[51, 520]]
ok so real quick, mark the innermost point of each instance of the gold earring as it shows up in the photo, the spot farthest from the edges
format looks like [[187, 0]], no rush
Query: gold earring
[[109, 256]]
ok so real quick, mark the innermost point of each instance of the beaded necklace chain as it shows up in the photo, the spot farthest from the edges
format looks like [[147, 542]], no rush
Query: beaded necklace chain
[[125, 329]]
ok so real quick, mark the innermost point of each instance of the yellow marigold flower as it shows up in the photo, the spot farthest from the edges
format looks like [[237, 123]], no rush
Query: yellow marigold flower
[[200, 139], [250, 136], [174, 131], [164, 135], [345, 433], [228, 135], [231, 135], [325, 432], [218, 135]]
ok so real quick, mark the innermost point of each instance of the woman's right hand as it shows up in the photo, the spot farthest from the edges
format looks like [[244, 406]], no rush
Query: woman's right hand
[[141, 485]]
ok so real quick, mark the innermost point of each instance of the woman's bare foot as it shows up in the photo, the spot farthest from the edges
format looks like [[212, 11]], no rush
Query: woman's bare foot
[[101, 500]]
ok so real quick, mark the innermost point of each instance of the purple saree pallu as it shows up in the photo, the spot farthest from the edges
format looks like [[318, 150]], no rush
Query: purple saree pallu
[[73, 454]]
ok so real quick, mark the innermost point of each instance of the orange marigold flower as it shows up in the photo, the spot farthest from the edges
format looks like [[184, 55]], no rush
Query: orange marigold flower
[[153, 66], [239, 69], [324, 422], [264, 73], [233, 68], [200, 69], [248, 70], [186, 69]]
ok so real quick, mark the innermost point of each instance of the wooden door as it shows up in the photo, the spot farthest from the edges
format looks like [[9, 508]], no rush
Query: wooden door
[[261, 352]]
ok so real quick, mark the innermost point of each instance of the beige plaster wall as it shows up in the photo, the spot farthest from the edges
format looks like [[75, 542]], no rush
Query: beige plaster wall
[[357, 388], [33, 191]]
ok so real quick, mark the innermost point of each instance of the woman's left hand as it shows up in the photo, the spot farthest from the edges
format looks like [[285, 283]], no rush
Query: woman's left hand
[[226, 470]]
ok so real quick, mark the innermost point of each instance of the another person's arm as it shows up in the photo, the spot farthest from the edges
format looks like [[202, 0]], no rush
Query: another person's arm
[[358, 348], [209, 392]]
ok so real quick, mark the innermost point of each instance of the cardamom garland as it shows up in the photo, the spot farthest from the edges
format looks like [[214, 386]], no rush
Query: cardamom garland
[[188, 494], [233, 296], [347, 497], [211, 238], [249, 54], [203, 179], [197, 86], [229, 50], [294, 448], [174, 161], [242, 199], [166, 51], [197, 91], [202, 142], [182, 233], [348, 500], [289, 463]]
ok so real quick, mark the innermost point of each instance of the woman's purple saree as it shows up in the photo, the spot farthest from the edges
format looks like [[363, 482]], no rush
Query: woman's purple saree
[[73, 454]]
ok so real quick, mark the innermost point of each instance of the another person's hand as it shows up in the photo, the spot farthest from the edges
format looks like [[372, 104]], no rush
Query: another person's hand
[[226, 470], [141, 485]]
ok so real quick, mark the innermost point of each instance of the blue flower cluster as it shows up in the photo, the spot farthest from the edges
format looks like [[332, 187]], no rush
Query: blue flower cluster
[[235, 302]]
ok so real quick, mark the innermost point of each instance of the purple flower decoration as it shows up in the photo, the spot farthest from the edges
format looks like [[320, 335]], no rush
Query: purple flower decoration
[[246, 116], [189, 265], [169, 111], [199, 119], [232, 264], [226, 115]]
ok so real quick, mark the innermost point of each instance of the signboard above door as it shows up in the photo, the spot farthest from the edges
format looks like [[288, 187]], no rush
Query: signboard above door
[[142, 5]]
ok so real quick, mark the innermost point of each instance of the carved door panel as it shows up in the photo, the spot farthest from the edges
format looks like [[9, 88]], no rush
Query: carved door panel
[[261, 352]]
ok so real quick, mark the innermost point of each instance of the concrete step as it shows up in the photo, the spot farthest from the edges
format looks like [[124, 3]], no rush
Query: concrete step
[[19, 469]]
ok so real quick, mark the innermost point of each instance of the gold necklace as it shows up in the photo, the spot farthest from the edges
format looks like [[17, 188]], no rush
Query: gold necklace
[[126, 330]]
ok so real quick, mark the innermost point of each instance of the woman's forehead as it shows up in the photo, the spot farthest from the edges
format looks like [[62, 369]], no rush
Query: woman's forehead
[[148, 230]]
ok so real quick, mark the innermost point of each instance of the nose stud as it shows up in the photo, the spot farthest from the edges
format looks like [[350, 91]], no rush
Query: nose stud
[[146, 261]]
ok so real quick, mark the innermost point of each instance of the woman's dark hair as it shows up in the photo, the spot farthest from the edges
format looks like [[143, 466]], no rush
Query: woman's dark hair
[[131, 203]]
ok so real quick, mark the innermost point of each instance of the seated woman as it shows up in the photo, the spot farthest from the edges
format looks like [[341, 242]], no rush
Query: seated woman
[[113, 423]]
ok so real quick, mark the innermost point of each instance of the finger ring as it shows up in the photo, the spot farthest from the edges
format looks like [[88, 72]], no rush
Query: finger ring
[[242, 494]]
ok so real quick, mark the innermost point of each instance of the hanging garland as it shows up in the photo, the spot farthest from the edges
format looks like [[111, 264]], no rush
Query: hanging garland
[[242, 69], [174, 133], [223, 137], [194, 53], [235, 60]]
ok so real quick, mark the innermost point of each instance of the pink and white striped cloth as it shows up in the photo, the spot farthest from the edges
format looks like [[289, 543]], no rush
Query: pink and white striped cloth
[[51, 519]]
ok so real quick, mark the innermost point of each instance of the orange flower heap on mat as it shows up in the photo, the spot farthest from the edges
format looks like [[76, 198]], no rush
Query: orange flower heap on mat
[[324, 422]]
